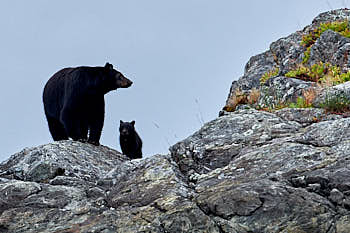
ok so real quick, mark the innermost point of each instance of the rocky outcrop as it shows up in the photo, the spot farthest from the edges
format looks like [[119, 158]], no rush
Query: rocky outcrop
[[246, 171], [75, 187], [288, 54], [276, 172]]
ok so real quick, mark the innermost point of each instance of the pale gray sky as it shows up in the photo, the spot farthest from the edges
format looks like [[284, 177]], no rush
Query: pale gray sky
[[181, 55]]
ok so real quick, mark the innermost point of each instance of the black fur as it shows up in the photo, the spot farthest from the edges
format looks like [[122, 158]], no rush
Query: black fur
[[130, 141], [74, 101]]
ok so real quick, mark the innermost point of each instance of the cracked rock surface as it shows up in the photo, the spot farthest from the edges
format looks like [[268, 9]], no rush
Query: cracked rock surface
[[247, 171], [288, 174]]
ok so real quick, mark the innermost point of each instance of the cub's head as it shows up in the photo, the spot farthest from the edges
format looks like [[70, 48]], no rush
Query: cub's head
[[126, 128]]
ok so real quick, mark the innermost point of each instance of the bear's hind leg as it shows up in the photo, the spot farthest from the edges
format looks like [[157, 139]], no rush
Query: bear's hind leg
[[96, 120], [57, 130], [72, 124], [95, 131], [83, 130]]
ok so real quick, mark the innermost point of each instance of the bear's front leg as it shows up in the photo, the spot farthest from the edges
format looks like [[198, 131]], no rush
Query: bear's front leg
[[96, 120]]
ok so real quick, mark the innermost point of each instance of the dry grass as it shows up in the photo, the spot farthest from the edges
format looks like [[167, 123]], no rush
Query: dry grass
[[253, 96], [238, 98], [309, 96], [329, 81]]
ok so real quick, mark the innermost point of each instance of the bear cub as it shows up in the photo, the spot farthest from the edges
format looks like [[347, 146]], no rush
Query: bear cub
[[130, 141]]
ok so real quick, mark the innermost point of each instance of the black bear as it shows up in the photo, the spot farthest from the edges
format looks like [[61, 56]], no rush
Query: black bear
[[130, 141], [74, 101]]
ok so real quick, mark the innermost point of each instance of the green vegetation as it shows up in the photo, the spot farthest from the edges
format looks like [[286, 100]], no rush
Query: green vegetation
[[342, 27], [269, 74], [338, 103], [277, 103], [302, 72], [307, 54], [320, 72], [301, 103], [334, 103], [323, 73]]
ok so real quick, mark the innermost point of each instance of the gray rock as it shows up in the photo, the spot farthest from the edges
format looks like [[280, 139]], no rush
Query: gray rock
[[333, 15], [288, 52], [336, 94], [304, 116], [327, 133], [69, 158], [336, 196], [330, 47], [264, 185], [220, 140], [142, 195], [282, 90], [247, 171], [254, 69]]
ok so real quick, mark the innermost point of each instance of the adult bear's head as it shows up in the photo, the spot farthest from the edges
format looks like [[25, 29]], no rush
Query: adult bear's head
[[115, 78]]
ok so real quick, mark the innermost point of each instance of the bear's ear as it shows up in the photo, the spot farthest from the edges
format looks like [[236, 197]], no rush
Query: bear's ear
[[121, 122], [109, 66], [133, 122]]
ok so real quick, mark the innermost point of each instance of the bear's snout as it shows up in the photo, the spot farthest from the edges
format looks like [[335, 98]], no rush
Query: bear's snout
[[129, 83], [125, 83], [124, 132]]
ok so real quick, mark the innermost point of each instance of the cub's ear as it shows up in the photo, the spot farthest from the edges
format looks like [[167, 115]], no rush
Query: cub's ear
[[121, 122], [109, 66], [133, 122]]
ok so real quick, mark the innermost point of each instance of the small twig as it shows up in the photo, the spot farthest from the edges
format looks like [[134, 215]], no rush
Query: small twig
[[165, 138], [199, 115], [344, 3], [156, 125]]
